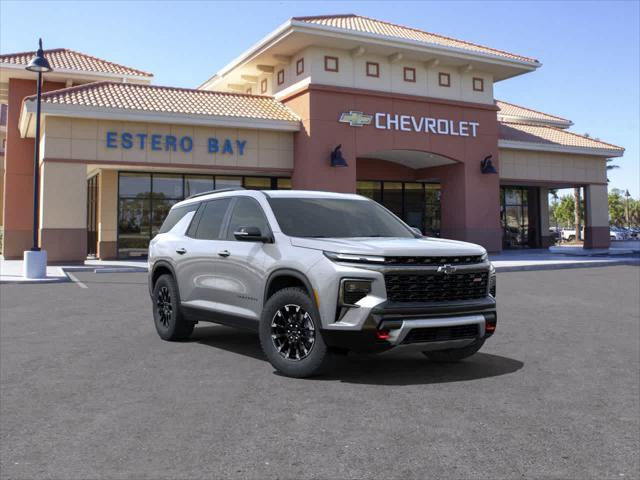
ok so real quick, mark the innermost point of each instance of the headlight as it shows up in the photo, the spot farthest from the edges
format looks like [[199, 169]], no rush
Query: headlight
[[485, 257], [353, 258], [353, 290]]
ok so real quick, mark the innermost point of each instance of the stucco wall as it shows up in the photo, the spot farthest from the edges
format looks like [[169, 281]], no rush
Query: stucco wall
[[352, 73], [85, 140], [551, 167]]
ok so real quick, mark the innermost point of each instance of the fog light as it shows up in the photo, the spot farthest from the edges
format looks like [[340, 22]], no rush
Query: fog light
[[353, 290]]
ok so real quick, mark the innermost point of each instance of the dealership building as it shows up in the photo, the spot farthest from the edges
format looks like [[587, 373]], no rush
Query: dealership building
[[342, 103]]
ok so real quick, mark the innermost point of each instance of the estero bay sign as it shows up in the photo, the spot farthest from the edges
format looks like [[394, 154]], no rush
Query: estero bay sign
[[411, 123], [171, 143]]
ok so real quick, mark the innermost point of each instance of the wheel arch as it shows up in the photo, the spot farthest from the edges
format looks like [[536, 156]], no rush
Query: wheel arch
[[285, 278], [161, 267]]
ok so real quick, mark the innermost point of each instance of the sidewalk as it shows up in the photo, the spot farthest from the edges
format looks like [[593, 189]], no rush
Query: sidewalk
[[544, 259], [506, 261], [11, 270]]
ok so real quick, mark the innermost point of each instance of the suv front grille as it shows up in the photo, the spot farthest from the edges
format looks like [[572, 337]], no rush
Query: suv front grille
[[441, 334], [436, 287], [459, 260]]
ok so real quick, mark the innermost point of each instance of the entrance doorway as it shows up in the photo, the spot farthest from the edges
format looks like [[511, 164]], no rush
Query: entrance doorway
[[519, 216], [417, 203], [92, 216]]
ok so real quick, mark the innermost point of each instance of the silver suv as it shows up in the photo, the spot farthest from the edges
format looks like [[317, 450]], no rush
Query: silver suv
[[316, 274]]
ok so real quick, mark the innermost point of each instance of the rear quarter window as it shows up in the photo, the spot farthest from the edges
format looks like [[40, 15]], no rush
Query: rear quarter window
[[175, 215]]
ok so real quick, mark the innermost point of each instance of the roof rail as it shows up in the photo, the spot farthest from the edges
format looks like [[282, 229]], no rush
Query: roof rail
[[209, 192]]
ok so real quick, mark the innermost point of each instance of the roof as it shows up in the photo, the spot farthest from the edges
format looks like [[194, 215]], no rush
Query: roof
[[511, 112], [152, 98], [65, 59], [362, 24], [553, 139]]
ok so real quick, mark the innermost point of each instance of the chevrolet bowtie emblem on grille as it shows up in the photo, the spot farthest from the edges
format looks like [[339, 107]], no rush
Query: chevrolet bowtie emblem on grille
[[356, 119], [447, 269]]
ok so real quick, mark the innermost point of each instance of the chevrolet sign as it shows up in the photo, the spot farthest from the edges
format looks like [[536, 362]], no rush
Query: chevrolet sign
[[355, 119]]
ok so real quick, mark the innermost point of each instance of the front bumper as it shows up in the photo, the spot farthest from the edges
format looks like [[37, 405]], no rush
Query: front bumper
[[430, 329]]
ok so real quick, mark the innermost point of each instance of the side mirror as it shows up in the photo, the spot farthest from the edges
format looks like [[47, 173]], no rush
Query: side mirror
[[417, 231], [250, 234]]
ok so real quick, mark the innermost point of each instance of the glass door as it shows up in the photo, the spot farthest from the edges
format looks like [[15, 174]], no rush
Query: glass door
[[92, 216]]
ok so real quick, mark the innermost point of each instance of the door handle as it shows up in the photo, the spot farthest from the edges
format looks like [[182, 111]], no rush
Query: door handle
[[224, 253], [181, 251]]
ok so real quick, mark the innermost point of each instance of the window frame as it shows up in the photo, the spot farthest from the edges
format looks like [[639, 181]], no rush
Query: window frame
[[200, 213], [280, 76], [407, 70], [480, 81], [327, 59], [442, 82], [377, 67], [300, 66], [228, 234], [263, 85]]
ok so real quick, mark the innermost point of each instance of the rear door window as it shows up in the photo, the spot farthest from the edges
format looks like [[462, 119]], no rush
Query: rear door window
[[211, 219]]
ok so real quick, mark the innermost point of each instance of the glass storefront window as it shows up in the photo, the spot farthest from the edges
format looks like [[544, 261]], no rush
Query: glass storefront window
[[414, 205], [418, 204], [257, 183], [135, 184], [167, 186], [197, 184], [372, 190], [392, 197], [145, 200], [284, 184], [519, 219], [228, 182]]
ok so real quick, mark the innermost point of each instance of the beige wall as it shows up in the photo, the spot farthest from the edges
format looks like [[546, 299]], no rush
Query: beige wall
[[63, 195], [597, 212], [108, 206], [80, 139], [352, 73], [552, 167]]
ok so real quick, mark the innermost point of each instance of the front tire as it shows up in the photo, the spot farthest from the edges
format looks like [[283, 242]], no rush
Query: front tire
[[167, 317], [455, 354], [290, 334]]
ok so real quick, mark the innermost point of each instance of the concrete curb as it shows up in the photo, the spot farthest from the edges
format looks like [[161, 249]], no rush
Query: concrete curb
[[566, 266]]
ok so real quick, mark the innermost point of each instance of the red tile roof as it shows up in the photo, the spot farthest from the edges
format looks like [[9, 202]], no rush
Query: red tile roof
[[544, 135], [370, 25], [152, 98], [513, 110], [65, 59]]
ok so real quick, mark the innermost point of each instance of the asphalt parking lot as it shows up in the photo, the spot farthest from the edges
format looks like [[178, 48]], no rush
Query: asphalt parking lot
[[88, 390]]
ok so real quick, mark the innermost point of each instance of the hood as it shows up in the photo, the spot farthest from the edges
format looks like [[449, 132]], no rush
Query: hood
[[390, 246]]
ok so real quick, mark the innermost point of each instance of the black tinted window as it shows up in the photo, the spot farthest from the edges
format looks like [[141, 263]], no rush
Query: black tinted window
[[211, 219], [247, 213], [331, 217], [175, 215]]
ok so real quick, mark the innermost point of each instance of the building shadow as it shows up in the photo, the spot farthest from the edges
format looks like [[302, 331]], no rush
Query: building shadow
[[392, 368]]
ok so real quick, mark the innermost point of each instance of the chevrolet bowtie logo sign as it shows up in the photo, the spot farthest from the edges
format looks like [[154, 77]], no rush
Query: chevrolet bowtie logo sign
[[356, 119], [447, 269]]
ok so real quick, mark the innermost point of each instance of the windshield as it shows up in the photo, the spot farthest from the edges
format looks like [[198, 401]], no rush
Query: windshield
[[336, 218]]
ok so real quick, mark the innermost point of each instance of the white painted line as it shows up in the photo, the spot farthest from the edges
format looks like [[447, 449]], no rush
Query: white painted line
[[75, 280]]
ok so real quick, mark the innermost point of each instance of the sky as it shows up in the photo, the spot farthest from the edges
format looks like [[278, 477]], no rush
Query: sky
[[590, 51]]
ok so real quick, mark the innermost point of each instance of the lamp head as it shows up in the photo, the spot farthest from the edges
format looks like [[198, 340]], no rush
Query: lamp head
[[39, 62], [337, 160]]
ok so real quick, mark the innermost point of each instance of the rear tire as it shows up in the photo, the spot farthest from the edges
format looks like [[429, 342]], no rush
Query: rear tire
[[167, 316], [290, 334], [455, 354]]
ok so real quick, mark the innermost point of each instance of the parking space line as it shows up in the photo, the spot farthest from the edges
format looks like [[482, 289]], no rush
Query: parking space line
[[75, 280]]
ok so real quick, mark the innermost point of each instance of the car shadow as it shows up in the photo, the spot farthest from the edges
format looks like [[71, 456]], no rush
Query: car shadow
[[398, 367]]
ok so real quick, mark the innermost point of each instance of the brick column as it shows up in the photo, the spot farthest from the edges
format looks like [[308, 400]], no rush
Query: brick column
[[18, 177]]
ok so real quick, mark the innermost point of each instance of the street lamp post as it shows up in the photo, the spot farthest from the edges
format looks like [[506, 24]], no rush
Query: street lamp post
[[35, 260], [626, 208]]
